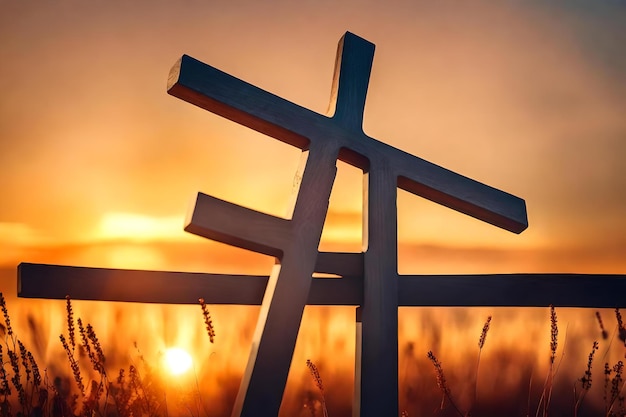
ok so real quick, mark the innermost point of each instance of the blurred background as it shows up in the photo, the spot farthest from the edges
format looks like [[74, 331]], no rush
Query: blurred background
[[98, 167]]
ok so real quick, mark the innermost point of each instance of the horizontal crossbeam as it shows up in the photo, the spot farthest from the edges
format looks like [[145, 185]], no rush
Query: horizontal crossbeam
[[498, 290], [214, 90], [259, 232]]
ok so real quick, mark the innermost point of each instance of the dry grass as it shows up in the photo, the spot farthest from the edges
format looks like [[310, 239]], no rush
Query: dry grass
[[207, 320], [443, 385], [135, 391], [614, 386], [91, 389], [315, 373], [546, 394], [585, 380]]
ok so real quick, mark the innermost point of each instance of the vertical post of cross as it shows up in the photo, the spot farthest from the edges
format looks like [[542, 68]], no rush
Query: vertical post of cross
[[353, 67], [287, 291], [379, 315], [376, 365]]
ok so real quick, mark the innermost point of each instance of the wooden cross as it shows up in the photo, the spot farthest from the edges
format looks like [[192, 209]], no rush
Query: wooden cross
[[369, 279]]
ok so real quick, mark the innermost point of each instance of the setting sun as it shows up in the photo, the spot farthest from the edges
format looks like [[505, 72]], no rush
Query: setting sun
[[177, 361]]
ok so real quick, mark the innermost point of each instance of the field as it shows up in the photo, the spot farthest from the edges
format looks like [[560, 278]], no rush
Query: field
[[453, 362]]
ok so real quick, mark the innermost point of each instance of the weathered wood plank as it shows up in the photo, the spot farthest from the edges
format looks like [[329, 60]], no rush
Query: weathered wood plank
[[497, 290]]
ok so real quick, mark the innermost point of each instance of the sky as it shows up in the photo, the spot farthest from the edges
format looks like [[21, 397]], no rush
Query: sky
[[99, 165]]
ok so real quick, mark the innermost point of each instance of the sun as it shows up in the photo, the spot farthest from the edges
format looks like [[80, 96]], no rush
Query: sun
[[177, 361]]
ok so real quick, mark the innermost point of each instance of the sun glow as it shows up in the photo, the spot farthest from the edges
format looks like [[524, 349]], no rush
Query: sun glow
[[140, 227], [177, 361]]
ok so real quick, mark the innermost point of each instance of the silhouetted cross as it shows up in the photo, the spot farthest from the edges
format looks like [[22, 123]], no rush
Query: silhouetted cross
[[369, 279]]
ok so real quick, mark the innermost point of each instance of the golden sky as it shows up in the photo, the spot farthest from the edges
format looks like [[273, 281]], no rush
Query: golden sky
[[98, 164]]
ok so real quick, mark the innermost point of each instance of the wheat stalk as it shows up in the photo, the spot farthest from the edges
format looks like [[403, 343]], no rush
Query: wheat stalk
[[315, 373], [5, 312], [546, 394], [442, 383], [585, 380], [481, 344], [605, 334], [207, 320], [617, 386]]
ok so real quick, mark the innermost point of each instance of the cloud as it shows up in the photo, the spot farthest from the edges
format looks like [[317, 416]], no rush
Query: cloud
[[15, 238], [19, 234], [139, 227]]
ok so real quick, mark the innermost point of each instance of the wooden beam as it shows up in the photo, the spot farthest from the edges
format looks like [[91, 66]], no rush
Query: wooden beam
[[218, 92], [378, 377], [235, 225], [126, 285], [499, 290], [514, 290], [165, 287], [348, 92], [345, 264], [274, 340]]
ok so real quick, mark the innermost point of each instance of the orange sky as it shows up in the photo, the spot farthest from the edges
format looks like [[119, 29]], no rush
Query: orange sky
[[99, 164]]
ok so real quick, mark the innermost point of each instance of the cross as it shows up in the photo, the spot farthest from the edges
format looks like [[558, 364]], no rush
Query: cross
[[369, 279]]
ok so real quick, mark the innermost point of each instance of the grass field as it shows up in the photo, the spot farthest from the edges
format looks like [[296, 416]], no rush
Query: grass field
[[451, 364]]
